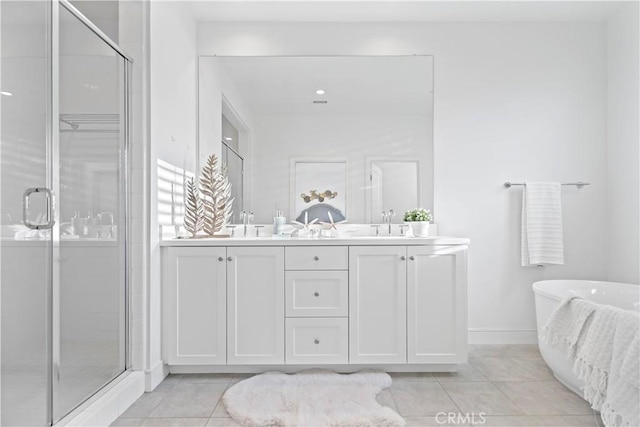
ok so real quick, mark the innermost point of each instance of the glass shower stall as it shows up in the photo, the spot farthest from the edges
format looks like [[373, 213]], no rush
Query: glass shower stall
[[63, 211]]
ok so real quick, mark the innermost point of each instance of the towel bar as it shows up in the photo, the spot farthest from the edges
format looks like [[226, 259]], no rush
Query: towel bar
[[578, 184]]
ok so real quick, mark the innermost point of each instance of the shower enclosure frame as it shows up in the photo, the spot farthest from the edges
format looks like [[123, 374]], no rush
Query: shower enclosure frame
[[53, 178]]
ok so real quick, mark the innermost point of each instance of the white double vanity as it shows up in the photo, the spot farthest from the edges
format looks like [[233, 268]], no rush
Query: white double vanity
[[255, 304], [371, 297]]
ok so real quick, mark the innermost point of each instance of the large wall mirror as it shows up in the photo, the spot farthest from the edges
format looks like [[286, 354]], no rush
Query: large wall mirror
[[365, 120]]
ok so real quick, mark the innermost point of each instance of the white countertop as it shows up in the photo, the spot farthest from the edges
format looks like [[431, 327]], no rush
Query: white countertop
[[318, 241], [64, 242]]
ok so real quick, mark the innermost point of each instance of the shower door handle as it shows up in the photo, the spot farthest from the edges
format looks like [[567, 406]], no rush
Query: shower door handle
[[25, 208]]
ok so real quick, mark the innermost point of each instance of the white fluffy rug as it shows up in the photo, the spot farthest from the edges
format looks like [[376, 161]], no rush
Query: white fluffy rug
[[311, 398]]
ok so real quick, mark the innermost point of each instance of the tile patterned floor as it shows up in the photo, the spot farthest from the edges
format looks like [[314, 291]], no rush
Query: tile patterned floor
[[509, 384]]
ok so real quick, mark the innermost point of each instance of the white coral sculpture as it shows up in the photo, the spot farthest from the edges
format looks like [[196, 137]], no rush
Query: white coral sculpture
[[215, 190], [194, 209]]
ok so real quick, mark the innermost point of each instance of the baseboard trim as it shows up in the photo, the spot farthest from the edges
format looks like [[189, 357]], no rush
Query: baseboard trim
[[105, 408], [256, 369], [155, 375], [502, 336]]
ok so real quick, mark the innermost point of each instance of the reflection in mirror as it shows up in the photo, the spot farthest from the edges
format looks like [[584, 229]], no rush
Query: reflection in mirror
[[394, 184], [319, 190], [233, 162], [320, 109]]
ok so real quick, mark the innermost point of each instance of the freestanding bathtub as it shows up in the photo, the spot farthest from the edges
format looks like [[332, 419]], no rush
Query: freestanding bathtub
[[549, 294]]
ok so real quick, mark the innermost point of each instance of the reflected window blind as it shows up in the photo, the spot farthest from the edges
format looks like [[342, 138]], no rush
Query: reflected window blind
[[171, 190]]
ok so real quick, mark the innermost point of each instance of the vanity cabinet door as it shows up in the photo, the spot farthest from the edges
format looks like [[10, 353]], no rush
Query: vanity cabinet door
[[255, 320], [377, 304], [437, 304], [194, 303]]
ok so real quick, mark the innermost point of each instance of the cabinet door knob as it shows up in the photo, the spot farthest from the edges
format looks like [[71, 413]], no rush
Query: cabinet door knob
[[220, 258], [403, 257], [316, 341], [316, 294], [316, 258], [412, 257], [229, 259]]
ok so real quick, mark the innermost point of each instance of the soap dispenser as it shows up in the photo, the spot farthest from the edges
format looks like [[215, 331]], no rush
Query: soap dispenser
[[279, 220]]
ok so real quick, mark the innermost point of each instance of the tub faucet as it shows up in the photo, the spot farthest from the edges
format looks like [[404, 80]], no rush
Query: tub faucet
[[386, 217], [246, 219]]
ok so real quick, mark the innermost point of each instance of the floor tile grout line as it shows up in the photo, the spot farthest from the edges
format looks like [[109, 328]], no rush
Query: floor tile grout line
[[551, 378], [453, 381], [501, 392], [425, 415], [541, 415], [451, 398], [394, 399], [508, 398], [219, 400]]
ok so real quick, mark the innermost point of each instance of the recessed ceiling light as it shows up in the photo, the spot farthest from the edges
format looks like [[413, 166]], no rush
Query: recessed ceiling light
[[320, 92], [228, 138], [6, 93]]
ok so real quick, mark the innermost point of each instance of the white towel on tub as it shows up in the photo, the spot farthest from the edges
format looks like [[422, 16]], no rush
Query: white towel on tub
[[595, 353], [621, 406], [566, 324], [542, 241]]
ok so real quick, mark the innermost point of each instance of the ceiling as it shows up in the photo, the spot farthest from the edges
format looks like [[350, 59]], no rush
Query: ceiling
[[403, 11], [400, 85]]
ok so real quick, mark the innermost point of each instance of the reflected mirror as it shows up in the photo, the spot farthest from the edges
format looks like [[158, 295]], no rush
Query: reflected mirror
[[363, 124]]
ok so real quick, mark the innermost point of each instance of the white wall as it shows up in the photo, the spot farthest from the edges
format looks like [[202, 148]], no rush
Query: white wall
[[521, 101], [623, 156], [277, 138], [173, 97]]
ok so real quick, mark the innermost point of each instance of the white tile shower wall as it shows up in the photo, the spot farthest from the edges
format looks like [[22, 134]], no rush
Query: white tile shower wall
[[513, 101], [623, 155]]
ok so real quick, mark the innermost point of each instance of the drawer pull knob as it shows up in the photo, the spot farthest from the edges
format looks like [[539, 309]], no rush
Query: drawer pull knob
[[220, 258], [316, 341], [412, 257], [229, 259], [316, 258], [316, 294], [403, 257]]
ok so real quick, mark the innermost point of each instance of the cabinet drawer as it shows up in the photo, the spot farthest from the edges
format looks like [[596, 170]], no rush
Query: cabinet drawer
[[312, 340], [317, 293], [317, 258]]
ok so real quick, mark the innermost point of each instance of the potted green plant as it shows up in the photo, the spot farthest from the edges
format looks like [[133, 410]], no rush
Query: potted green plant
[[418, 220]]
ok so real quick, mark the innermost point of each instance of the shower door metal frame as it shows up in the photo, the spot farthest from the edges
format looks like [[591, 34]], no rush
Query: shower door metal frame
[[53, 162]]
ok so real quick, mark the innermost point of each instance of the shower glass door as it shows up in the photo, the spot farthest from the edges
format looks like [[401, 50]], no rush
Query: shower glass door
[[63, 133], [89, 349], [26, 236]]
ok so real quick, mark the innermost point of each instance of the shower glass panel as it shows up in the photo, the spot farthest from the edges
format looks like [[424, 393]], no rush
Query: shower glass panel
[[90, 349], [25, 254]]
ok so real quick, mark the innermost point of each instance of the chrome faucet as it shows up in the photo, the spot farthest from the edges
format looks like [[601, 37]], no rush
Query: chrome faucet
[[387, 216], [246, 218]]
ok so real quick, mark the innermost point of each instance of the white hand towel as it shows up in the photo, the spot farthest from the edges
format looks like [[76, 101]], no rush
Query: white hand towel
[[542, 224]]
